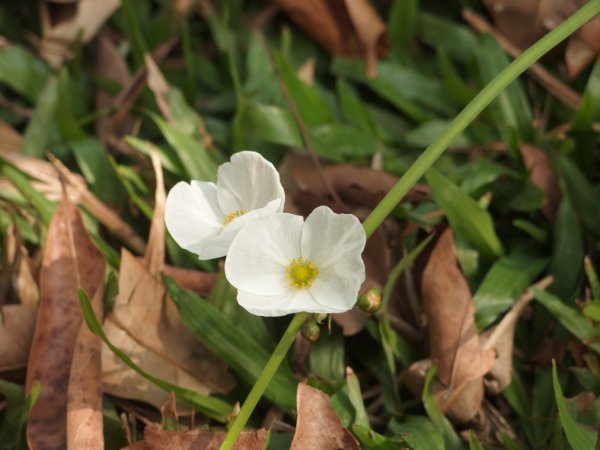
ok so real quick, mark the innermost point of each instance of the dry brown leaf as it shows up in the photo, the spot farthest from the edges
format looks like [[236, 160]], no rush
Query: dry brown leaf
[[525, 21], [318, 427], [84, 407], [47, 181], [24, 285], [343, 27], [453, 336], [17, 323], [155, 438], [71, 261], [110, 65], [500, 339], [146, 326], [65, 23], [543, 176]]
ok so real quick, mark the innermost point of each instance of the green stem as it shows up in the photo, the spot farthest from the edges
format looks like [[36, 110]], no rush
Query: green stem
[[263, 380], [470, 112]]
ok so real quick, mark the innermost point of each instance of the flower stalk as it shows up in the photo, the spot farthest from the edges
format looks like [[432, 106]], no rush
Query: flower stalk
[[412, 175]]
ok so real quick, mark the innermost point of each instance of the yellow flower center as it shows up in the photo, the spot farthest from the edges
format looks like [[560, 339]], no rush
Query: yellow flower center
[[233, 215], [301, 273]]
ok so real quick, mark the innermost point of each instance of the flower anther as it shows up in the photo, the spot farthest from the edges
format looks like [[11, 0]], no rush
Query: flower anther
[[301, 273]]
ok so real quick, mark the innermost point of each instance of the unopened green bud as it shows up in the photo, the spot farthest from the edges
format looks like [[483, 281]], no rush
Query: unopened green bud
[[370, 301], [311, 331]]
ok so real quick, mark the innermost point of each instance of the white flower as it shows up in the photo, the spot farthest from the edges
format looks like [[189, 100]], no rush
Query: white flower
[[204, 217], [282, 265]]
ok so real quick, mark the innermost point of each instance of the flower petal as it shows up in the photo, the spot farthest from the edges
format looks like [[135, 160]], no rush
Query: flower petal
[[289, 302], [261, 252], [336, 288], [193, 215], [328, 237], [248, 182]]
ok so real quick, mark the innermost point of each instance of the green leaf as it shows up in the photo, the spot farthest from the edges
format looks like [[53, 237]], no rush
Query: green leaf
[[511, 108], [197, 162], [402, 23], [474, 443], [402, 87], [458, 41], [583, 196], [580, 438], [504, 282], [438, 420], [89, 153], [468, 220], [567, 254], [418, 432], [353, 108], [592, 310], [39, 127], [211, 406], [327, 355], [571, 319], [43, 206], [372, 440], [311, 106], [15, 414], [269, 123], [22, 71], [230, 343], [355, 396]]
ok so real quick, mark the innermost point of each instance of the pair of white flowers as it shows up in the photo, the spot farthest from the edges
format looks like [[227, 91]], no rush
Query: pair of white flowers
[[279, 263]]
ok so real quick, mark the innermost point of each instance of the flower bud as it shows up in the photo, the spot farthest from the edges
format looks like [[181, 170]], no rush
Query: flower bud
[[370, 301], [310, 331]]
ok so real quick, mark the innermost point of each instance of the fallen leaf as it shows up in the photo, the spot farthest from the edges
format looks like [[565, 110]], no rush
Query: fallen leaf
[[318, 427], [110, 65], [500, 339], [71, 261], [343, 27], [525, 21], [147, 327], [24, 285], [542, 176], [454, 339], [64, 23], [17, 323], [84, 407], [48, 183], [155, 438]]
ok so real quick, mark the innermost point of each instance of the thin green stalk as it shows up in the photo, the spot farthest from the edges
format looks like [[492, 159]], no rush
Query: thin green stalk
[[263, 380], [470, 112], [412, 175]]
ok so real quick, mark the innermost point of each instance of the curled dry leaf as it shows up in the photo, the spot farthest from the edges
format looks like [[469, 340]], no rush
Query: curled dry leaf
[[155, 438], [525, 21], [17, 323], [65, 23], [318, 427], [146, 326], [343, 27], [500, 339], [454, 339], [542, 176], [84, 407], [71, 261]]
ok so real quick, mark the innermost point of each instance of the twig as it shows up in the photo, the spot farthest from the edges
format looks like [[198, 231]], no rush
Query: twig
[[303, 131], [556, 87]]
